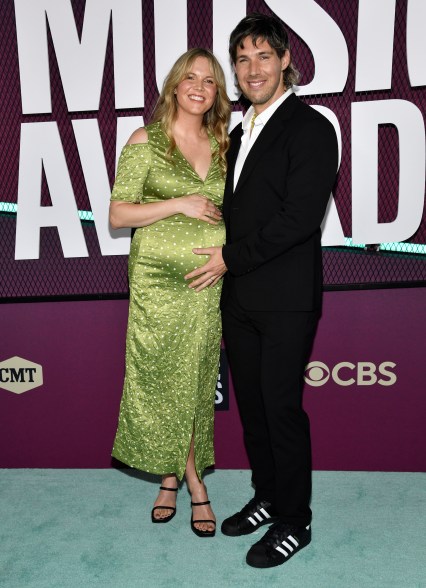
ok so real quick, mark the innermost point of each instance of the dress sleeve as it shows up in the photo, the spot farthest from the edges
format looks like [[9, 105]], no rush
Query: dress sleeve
[[132, 171]]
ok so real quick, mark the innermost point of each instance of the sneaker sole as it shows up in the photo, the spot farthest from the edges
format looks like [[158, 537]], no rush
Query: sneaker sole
[[277, 562]]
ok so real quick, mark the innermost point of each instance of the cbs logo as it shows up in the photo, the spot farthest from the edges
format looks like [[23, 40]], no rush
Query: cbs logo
[[345, 373]]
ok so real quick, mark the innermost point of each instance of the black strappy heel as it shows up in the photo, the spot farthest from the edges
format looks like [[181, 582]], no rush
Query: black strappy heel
[[199, 532], [172, 508]]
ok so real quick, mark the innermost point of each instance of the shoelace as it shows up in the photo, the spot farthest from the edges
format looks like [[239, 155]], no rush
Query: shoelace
[[270, 538], [251, 507]]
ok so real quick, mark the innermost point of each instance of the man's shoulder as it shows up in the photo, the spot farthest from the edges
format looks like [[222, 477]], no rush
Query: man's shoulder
[[307, 118], [307, 112], [297, 111]]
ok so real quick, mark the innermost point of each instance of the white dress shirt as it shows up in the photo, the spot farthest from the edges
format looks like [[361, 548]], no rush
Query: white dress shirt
[[248, 139]]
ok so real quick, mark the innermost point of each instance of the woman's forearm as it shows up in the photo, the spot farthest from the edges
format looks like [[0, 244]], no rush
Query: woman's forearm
[[126, 214]]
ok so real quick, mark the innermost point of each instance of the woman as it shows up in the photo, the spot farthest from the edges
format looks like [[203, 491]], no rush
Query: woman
[[169, 187]]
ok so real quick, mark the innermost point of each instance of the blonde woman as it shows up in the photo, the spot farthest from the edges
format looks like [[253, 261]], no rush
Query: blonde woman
[[169, 187]]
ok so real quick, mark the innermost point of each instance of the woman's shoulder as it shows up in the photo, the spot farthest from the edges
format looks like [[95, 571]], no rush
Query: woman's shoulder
[[138, 137], [146, 135]]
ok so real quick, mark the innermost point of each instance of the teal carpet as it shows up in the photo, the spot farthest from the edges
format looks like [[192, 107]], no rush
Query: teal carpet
[[84, 528]]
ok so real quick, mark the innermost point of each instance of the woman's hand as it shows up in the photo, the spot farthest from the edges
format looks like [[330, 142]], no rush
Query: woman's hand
[[198, 206]]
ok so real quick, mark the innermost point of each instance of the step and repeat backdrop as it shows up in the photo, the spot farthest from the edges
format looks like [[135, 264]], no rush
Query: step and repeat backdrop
[[63, 367], [77, 77]]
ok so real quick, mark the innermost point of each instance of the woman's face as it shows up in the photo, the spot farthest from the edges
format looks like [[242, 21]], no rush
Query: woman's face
[[196, 93]]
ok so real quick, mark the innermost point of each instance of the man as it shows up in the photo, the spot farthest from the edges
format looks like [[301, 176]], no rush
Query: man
[[281, 168]]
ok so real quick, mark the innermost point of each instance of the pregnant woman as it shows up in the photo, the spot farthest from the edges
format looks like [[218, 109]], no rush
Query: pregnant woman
[[169, 187]]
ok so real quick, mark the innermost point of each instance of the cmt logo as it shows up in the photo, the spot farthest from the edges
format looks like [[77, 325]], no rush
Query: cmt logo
[[20, 375], [345, 373]]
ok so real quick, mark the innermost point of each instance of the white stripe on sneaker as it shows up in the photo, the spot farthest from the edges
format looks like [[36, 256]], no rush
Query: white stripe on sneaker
[[253, 522], [257, 515], [278, 548], [289, 547], [293, 540], [263, 511]]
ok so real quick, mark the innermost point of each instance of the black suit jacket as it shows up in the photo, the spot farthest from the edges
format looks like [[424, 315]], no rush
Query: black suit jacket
[[273, 247]]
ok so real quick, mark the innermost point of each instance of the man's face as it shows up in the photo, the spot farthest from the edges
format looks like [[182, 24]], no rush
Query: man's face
[[259, 72]]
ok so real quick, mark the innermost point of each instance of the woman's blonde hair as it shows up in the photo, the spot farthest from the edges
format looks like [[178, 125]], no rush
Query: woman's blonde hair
[[215, 120]]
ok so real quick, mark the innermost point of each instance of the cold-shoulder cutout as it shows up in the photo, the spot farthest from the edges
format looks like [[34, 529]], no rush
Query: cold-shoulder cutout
[[138, 136]]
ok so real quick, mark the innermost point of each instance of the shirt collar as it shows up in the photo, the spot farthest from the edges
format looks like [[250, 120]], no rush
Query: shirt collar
[[264, 116]]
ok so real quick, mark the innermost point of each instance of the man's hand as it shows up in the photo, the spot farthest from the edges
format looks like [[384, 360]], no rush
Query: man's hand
[[210, 273]]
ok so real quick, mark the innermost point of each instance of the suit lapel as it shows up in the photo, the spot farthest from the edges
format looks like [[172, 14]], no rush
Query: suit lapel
[[273, 128], [232, 156]]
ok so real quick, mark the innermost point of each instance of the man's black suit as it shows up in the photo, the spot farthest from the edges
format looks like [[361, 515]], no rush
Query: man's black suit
[[272, 293]]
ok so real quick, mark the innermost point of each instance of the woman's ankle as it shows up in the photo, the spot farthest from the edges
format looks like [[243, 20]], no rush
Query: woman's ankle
[[198, 490], [169, 481]]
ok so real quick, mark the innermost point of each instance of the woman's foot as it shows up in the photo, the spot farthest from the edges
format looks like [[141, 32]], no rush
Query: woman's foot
[[165, 505], [202, 512]]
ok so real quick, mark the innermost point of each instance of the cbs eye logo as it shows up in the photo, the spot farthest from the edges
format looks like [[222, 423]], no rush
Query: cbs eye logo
[[317, 373], [345, 373]]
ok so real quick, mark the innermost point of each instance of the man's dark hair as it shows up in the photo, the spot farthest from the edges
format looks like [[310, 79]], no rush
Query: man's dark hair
[[264, 28]]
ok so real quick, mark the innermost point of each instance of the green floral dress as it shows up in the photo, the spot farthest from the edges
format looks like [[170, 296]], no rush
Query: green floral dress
[[173, 333]]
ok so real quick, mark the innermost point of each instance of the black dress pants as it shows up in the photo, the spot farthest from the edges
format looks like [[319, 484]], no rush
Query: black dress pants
[[267, 353]]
